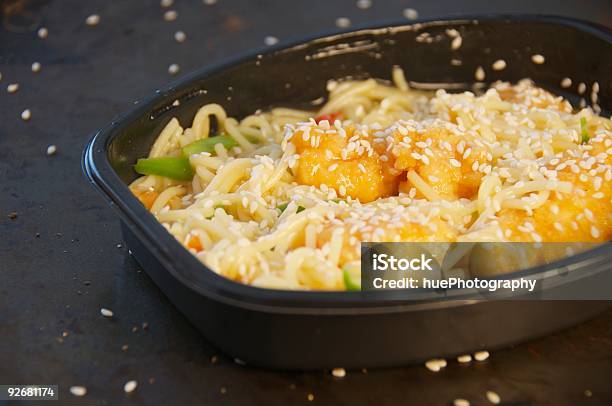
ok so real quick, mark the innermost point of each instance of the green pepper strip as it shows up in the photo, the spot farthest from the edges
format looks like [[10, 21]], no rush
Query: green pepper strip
[[283, 207], [585, 132], [349, 282], [208, 144], [177, 168]]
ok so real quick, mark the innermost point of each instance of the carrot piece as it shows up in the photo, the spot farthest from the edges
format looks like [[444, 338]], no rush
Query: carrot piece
[[147, 197], [194, 243], [331, 117]]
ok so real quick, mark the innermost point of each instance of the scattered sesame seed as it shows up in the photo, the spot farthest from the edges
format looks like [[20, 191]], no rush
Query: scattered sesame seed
[[92, 20], [339, 372], [435, 364], [581, 87], [594, 232], [479, 74], [180, 36], [166, 3], [170, 15], [310, 397], [106, 312], [43, 33], [223, 390], [210, 2], [130, 386], [12, 88], [566, 82], [26, 115], [343, 22], [499, 64], [411, 13], [588, 393], [461, 402], [493, 397], [462, 359], [538, 59], [481, 355], [453, 33], [78, 390], [364, 4], [124, 347], [173, 69], [36, 66], [51, 150], [270, 40], [456, 43]]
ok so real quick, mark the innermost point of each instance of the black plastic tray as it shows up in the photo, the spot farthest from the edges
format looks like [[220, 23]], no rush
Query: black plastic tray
[[312, 330]]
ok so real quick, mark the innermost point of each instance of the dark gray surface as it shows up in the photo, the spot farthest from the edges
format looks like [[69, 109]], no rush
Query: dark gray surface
[[58, 281]]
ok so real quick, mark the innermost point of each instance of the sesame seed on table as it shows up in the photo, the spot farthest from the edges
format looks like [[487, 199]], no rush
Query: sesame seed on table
[[67, 68]]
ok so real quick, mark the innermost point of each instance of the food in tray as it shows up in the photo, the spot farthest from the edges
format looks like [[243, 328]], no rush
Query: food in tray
[[283, 198]]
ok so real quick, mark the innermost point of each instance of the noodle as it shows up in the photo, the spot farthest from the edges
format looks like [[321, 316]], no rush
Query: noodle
[[286, 199]]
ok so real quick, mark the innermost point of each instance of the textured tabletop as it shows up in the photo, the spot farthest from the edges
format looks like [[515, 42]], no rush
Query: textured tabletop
[[61, 253]]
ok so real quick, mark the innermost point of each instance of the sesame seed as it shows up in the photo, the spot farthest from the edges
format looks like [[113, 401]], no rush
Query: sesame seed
[[435, 364], [461, 402], [166, 3], [173, 69], [92, 20], [456, 43], [481, 355], [566, 82], [493, 397], [411, 13], [270, 40], [26, 115], [130, 386], [538, 59], [210, 2], [36, 66], [43, 33], [464, 358], [479, 74], [51, 150], [223, 390], [78, 390], [343, 22], [170, 15], [364, 4], [594, 232], [455, 163], [12, 88], [499, 64], [451, 32], [106, 312], [339, 372], [581, 87], [180, 36]]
